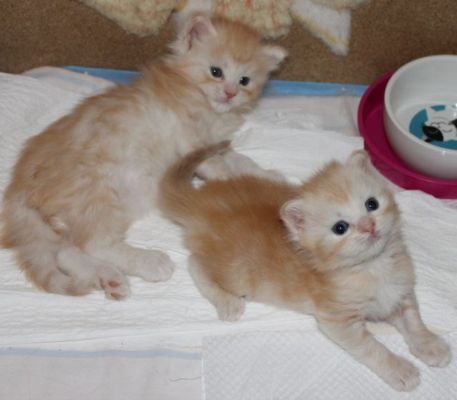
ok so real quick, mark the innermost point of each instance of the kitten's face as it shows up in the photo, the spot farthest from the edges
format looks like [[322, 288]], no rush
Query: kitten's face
[[227, 61], [346, 216]]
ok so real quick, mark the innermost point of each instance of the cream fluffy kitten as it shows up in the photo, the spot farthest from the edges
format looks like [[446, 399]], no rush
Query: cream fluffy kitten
[[79, 185], [331, 248]]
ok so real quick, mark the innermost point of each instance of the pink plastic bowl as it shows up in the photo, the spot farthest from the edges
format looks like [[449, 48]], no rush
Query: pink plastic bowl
[[371, 127]]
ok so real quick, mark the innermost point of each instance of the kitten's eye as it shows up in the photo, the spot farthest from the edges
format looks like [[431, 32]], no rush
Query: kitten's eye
[[244, 81], [340, 228], [216, 72], [372, 204]]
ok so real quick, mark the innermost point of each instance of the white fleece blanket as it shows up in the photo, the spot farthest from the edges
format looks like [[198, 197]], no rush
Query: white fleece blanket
[[294, 135]]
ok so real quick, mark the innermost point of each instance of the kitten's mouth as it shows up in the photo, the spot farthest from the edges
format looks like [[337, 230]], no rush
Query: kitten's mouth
[[226, 100], [374, 238], [375, 245], [378, 242]]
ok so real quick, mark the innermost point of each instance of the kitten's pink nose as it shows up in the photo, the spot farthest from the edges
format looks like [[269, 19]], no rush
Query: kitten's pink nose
[[367, 224], [229, 93]]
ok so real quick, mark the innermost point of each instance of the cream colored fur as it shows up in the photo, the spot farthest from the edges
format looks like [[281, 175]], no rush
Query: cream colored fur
[[78, 185], [331, 247]]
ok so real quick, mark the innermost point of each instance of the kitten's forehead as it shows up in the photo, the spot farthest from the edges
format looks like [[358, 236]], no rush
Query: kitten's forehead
[[338, 185], [329, 183], [237, 40]]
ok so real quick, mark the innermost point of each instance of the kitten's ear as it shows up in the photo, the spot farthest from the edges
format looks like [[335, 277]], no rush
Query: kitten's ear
[[196, 27], [293, 215], [273, 55], [361, 159]]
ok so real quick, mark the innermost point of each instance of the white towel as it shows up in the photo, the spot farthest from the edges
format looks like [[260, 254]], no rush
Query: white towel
[[295, 135], [305, 365], [281, 137]]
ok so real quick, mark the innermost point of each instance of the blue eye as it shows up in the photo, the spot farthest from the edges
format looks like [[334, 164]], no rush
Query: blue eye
[[340, 228], [244, 81], [216, 72], [371, 204]]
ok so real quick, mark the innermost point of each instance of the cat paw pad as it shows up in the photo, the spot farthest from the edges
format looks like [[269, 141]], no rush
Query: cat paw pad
[[114, 284]]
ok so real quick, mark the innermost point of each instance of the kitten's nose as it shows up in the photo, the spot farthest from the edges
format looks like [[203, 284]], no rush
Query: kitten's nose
[[229, 93], [366, 224]]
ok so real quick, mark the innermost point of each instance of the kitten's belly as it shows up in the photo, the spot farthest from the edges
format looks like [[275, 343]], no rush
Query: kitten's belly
[[379, 310], [137, 192]]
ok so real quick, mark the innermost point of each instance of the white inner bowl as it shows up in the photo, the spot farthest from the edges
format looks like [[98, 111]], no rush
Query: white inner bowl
[[420, 115]]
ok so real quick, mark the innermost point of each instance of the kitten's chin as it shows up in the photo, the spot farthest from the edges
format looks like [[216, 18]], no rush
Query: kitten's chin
[[228, 106], [368, 250], [221, 107]]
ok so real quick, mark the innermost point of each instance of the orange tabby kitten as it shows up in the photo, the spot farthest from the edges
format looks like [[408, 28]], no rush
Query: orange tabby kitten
[[331, 248], [79, 185]]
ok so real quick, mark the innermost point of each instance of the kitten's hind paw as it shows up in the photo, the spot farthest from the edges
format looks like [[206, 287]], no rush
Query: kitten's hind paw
[[114, 283], [155, 266], [230, 308]]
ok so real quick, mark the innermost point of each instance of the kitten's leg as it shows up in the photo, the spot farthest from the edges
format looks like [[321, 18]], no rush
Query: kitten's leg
[[361, 344], [74, 262], [151, 265], [100, 228], [230, 164], [228, 306], [425, 345]]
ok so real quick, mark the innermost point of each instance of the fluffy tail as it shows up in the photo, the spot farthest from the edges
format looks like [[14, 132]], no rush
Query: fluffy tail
[[45, 258], [177, 194]]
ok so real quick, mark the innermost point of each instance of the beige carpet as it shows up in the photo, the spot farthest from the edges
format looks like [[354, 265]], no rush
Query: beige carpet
[[385, 35]]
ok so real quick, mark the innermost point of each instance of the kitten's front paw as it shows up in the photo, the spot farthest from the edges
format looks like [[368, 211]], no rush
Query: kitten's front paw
[[230, 308], [434, 351], [275, 175], [401, 375]]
